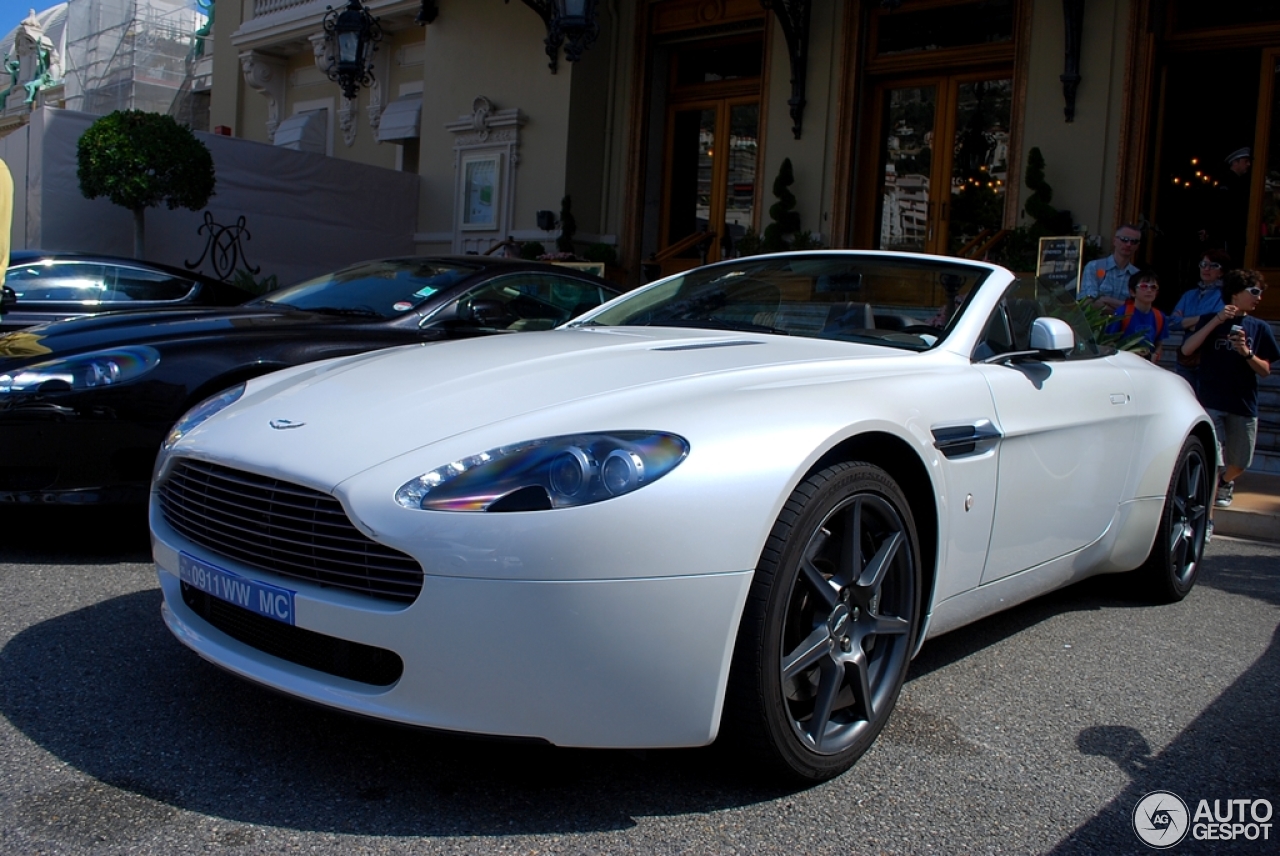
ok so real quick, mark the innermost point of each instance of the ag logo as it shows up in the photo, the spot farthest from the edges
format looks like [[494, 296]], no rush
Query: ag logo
[[1161, 819]]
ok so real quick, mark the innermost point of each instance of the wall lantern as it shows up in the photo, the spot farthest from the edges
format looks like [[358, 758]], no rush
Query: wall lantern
[[353, 35], [571, 23]]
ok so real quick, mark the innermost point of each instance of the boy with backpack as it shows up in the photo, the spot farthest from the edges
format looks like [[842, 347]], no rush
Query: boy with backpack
[[1139, 314]]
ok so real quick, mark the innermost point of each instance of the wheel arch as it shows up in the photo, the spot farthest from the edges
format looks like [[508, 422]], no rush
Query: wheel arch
[[901, 461], [1203, 430]]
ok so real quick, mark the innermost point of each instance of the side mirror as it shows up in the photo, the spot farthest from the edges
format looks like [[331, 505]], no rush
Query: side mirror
[[1052, 334], [8, 297], [486, 312]]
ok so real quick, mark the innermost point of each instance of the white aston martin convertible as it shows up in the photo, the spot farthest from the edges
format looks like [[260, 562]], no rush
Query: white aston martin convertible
[[733, 503]]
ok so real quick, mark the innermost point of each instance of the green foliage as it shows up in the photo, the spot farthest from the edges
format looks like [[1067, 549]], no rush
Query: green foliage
[[139, 160], [748, 244], [532, 249], [604, 253], [786, 220], [806, 240], [1100, 318], [568, 226], [246, 280]]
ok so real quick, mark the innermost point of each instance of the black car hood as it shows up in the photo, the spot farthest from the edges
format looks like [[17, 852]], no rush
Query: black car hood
[[79, 335]]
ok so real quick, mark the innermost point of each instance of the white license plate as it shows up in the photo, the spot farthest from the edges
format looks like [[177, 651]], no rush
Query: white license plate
[[260, 598]]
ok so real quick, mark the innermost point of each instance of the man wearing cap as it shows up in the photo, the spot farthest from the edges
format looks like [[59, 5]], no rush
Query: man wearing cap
[[1229, 206]]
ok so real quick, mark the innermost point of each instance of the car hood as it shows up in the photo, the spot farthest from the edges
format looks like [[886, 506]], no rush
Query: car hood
[[325, 422], [108, 330]]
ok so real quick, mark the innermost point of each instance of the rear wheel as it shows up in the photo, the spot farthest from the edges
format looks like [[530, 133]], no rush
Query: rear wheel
[[829, 626], [1174, 564]]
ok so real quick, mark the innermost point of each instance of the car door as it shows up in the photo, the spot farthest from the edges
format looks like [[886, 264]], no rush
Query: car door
[[1068, 430]]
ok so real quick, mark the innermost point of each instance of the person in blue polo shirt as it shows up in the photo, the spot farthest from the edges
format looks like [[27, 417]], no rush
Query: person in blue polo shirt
[[1196, 304], [1105, 281], [1235, 350]]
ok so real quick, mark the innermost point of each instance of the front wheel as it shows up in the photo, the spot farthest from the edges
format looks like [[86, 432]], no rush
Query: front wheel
[[1171, 569], [829, 625]]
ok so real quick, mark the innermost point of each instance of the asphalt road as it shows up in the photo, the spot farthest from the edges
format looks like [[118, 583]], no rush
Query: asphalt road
[[1037, 731]]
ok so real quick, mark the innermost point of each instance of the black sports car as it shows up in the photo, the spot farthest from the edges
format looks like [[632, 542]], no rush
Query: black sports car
[[85, 403], [44, 286]]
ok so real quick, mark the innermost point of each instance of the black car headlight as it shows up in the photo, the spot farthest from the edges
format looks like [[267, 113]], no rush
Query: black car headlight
[[85, 371], [554, 472]]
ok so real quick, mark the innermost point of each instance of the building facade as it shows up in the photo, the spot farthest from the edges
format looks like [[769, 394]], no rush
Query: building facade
[[907, 124]]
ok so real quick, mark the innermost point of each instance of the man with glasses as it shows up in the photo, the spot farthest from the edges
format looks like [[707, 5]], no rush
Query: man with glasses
[[1106, 281], [1235, 350]]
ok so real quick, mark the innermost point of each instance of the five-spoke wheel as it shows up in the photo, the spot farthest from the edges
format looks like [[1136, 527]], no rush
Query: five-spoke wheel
[[1174, 562], [830, 624]]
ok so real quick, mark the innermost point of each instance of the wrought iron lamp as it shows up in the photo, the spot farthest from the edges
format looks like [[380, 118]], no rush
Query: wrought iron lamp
[[573, 24], [353, 35]]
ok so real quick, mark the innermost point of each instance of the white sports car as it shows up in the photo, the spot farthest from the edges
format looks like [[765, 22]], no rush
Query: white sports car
[[734, 502]]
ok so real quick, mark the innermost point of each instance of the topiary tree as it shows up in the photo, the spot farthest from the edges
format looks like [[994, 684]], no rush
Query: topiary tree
[[139, 160], [1048, 220], [786, 220], [568, 226]]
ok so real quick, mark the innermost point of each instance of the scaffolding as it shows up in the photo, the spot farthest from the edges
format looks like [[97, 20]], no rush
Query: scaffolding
[[135, 55]]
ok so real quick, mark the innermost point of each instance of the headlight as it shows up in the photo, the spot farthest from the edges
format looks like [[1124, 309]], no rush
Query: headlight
[[555, 472], [200, 413], [87, 371]]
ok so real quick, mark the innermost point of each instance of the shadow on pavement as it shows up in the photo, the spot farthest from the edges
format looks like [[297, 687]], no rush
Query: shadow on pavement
[[107, 690], [1205, 761]]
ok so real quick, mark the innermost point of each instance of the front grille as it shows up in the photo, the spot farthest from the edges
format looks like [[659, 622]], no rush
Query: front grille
[[350, 660], [283, 528]]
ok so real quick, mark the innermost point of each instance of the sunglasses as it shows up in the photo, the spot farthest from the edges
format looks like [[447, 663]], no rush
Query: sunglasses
[[1149, 285], [1124, 240], [1210, 266], [1255, 291]]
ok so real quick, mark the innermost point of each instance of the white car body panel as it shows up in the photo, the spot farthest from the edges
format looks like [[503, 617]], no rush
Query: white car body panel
[[613, 624]]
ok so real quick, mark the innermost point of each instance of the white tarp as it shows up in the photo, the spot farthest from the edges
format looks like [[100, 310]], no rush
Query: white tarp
[[304, 213]]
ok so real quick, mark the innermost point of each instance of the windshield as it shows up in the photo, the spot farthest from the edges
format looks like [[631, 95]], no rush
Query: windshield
[[898, 301], [386, 289]]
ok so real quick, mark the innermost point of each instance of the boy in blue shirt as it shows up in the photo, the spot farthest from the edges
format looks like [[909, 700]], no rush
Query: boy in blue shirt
[[1139, 315]]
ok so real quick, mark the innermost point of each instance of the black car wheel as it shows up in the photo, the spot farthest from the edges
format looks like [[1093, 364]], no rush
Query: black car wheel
[[1174, 563], [829, 626]]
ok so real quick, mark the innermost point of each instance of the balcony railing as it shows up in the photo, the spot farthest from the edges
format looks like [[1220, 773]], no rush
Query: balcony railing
[[266, 7]]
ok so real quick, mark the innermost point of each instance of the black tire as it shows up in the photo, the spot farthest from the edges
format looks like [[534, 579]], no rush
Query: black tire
[[1171, 569], [829, 626]]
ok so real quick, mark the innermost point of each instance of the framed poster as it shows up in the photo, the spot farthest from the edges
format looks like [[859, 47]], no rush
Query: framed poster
[[480, 178], [1059, 260]]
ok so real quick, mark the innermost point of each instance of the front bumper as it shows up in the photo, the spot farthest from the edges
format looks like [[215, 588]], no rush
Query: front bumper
[[78, 462], [620, 663]]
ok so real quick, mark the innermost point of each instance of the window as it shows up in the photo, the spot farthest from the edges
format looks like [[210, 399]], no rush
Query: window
[[529, 301]]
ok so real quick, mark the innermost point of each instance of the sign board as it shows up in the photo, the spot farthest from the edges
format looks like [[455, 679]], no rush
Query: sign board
[[1059, 260], [596, 268]]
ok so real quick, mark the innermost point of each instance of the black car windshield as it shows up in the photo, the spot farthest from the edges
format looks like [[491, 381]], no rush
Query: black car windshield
[[386, 289], [889, 300]]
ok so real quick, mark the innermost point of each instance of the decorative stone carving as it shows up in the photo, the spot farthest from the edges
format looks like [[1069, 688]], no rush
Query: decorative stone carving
[[487, 126], [34, 64], [347, 115], [378, 94], [266, 74]]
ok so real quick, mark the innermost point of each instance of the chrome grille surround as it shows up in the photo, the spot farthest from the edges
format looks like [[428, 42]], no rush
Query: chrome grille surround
[[283, 528]]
